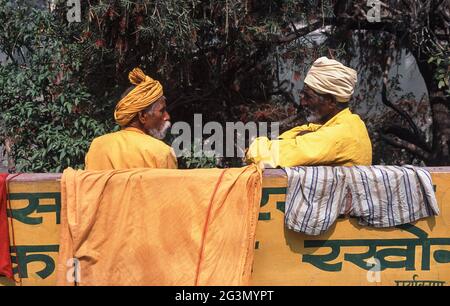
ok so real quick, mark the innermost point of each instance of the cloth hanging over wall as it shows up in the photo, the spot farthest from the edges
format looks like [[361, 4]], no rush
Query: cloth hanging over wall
[[158, 226], [380, 196]]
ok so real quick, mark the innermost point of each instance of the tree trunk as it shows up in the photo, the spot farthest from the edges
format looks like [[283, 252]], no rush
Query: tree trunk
[[440, 154]]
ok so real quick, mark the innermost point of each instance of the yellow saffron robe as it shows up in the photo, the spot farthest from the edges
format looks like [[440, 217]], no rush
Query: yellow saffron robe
[[342, 141], [127, 149]]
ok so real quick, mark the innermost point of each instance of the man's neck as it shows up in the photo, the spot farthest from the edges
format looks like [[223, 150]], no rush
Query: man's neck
[[331, 115], [135, 126]]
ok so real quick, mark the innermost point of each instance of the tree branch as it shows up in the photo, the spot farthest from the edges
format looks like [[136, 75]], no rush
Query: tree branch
[[400, 143], [387, 24], [386, 101], [406, 135], [297, 33]]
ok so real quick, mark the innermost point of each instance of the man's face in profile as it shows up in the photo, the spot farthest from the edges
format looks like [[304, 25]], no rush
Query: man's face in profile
[[157, 122], [316, 107]]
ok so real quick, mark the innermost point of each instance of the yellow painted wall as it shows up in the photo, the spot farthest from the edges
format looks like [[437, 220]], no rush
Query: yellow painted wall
[[282, 257], [35, 203]]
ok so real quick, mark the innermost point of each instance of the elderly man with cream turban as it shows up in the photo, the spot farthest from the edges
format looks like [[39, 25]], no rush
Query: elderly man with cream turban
[[144, 120], [334, 136]]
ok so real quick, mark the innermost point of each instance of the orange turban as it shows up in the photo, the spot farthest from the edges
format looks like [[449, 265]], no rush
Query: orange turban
[[146, 92], [329, 76]]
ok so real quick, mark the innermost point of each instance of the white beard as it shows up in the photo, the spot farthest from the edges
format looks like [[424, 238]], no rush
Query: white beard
[[313, 118], [161, 133]]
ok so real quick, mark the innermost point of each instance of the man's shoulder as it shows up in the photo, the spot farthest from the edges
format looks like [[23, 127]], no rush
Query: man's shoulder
[[132, 139], [153, 143], [105, 138], [144, 141], [345, 126], [349, 118]]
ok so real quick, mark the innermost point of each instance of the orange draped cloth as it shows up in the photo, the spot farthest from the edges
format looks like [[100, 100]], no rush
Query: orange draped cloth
[[159, 227]]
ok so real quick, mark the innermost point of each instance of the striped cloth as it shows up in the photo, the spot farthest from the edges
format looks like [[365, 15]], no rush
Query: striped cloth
[[380, 196]]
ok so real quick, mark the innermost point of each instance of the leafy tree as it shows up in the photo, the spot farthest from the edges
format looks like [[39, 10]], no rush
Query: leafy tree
[[45, 110], [216, 56], [422, 28], [220, 58], [211, 55]]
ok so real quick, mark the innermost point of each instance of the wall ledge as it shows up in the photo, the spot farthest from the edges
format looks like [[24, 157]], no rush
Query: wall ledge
[[267, 173]]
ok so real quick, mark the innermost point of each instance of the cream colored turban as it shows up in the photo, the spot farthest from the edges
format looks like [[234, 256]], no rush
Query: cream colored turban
[[146, 92], [330, 76]]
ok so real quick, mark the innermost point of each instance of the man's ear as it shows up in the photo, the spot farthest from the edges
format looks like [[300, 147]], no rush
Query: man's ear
[[142, 117], [332, 101]]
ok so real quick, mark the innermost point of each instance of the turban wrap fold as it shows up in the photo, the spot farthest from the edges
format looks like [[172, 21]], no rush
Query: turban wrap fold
[[146, 92], [328, 76]]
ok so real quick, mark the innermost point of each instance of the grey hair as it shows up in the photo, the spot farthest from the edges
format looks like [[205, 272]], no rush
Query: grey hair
[[151, 107]]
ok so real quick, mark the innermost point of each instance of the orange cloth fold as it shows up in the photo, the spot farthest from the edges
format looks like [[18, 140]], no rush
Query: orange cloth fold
[[159, 227]]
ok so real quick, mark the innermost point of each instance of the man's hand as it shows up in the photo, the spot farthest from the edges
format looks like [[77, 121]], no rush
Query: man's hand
[[303, 133]]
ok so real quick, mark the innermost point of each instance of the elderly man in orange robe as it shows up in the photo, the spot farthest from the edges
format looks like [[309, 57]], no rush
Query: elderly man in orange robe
[[144, 120]]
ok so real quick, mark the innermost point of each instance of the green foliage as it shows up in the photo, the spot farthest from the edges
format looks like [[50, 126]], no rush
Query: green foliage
[[45, 109], [61, 81], [190, 160], [442, 71], [210, 55]]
